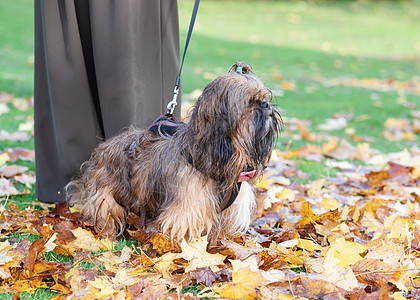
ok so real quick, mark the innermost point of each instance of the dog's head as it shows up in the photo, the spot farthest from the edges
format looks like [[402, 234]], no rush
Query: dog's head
[[233, 125]]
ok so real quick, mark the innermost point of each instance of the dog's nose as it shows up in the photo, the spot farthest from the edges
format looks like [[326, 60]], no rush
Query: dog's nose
[[268, 109], [265, 104]]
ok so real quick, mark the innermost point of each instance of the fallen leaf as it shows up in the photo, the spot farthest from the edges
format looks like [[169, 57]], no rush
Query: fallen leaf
[[15, 136], [372, 271], [4, 157], [7, 188], [243, 285], [197, 256], [86, 241], [344, 253], [204, 275], [102, 288], [12, 170]]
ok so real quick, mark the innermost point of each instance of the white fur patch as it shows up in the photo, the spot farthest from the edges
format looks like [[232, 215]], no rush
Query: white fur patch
[[238, 216]]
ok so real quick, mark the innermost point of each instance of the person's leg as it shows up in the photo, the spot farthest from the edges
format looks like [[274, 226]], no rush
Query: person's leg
[[135, 47], [66, 123]]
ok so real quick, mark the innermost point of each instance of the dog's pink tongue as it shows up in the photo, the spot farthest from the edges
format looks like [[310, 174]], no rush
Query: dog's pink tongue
[[247, 175]]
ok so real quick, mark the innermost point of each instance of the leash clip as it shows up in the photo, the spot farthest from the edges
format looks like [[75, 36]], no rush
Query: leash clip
[[173, 103]]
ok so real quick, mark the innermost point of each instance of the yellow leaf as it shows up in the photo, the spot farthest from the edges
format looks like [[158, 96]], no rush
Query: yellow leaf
[[399, 228], [86, 241], [264, 182], [308, 215], [398, 296], [4, 248], [287, 194], [243, 285], [308, 245], [110, 261], [315, 189], [163, 243], [164, 264], [329, 203], [288, 85], [122, 279], [4, 157], [330, 146], [363, 152], [102, 288], [29, 285], [344, 253], [197, 256], [267, 293]]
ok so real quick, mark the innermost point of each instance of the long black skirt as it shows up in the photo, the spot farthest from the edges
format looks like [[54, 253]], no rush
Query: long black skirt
[[100, 66]]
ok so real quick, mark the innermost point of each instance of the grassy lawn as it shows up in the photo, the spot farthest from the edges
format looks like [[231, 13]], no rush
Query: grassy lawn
[[319, 58]]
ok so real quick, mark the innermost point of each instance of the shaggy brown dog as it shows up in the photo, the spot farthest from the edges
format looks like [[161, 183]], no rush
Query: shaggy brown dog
[[185, 183]]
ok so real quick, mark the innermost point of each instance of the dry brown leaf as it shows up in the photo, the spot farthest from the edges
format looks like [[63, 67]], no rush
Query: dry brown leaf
[[163, 244], [204, 275], [372, 271], [313, 288], [19, 153]]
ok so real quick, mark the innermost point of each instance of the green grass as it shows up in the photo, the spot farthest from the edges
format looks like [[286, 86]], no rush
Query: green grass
[[16, 47], [297, 41], [38, 294]]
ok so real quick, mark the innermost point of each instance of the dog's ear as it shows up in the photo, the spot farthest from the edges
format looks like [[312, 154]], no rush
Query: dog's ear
[[211, 126]]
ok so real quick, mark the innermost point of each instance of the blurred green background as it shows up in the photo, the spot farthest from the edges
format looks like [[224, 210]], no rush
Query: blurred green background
[[319, 57]]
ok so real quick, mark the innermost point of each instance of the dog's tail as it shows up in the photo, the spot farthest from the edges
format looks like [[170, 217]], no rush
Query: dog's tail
[[102, 185], [98, 207]]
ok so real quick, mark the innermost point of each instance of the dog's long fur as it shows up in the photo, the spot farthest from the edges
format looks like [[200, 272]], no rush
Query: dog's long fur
[[232, 127]]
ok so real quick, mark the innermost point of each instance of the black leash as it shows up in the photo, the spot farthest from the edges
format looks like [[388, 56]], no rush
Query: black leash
[[173, 102]]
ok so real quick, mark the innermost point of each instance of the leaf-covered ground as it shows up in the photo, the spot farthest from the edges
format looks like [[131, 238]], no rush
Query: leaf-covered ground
[[352, 233]]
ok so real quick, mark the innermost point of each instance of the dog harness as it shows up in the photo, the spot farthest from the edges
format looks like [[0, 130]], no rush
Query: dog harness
[[168, 124]]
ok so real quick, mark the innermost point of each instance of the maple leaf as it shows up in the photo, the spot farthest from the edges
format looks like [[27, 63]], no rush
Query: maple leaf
[[197, 256], [86, 241], [122, 279], [308, 215], [344, 253], [101, 288], [243, 285], [165, 264]]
